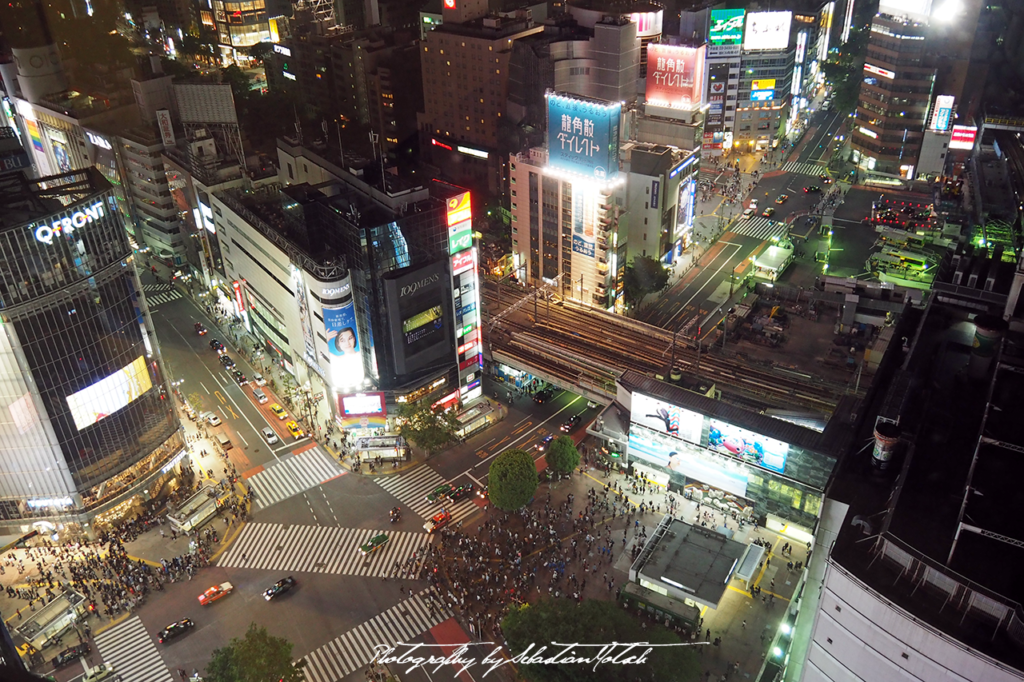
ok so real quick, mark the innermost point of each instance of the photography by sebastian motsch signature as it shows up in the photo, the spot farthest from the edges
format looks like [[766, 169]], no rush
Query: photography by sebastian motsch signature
[[413, 656]]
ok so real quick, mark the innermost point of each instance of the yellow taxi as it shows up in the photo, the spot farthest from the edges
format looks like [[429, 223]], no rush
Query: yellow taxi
[[278, 411], [293, 428]]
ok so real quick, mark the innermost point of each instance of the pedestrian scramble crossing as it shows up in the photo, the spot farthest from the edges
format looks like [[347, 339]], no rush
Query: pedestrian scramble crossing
[[354, 650], [760, 228], [133, 653], [803, 168], [320, 549], [294, 474], [412, 489]]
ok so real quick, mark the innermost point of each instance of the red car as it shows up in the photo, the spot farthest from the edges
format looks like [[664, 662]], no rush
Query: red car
[[439, 520], [215, 593]]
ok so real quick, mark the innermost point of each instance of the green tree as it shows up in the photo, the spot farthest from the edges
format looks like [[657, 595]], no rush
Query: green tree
[[195, 400], [594, 622], [844, 70], [257, 657], [512, 480], [644, 275], [260, 51], [238, 80], [562, 455], [429, 428]]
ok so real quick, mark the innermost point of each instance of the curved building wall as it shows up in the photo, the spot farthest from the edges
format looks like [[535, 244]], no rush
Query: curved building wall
[[79, 374]]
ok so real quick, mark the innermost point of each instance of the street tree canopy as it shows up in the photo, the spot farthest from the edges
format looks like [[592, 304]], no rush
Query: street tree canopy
[[644, 275], [257, 657], [426, 427], [512, 480], [844, 69], [562, 455], [594, 622]]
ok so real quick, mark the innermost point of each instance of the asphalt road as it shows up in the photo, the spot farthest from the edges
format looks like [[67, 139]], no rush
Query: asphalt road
[[327, 614]]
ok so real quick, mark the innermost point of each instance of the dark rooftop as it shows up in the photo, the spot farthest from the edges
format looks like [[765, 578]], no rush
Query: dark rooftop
[[697, 560]]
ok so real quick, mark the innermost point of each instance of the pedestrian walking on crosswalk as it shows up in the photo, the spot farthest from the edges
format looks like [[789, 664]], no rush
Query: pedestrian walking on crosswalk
[[130, 649]]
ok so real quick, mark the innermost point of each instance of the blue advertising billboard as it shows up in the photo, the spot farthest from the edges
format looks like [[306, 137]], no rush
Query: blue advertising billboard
[[762, 95], [748, 446], [343, 345], [583, 136]]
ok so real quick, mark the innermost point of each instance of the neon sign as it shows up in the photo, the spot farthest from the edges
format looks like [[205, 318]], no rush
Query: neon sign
[[68, 224]]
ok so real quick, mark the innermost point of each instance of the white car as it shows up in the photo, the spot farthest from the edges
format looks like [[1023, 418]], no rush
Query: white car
[[258, 378], [753, 204], [102, 672], [748, 214], [269, 435], [212, 418]]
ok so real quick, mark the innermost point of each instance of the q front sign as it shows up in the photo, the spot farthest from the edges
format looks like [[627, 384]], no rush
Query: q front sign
[[68, 223]]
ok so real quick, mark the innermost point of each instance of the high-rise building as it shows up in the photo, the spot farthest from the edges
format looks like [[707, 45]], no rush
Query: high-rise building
[[88, 425], [465, 64], [140, 149], [239, 25]]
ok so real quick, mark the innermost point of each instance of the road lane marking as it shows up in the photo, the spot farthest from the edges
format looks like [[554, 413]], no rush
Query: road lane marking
[[710, 279], [204, 387], [521, 438]]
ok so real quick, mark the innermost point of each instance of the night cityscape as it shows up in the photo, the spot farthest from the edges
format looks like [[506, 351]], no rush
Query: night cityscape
[[563, 340]]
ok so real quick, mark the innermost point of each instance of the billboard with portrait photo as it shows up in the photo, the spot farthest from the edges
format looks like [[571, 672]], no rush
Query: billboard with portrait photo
[[346, 355]]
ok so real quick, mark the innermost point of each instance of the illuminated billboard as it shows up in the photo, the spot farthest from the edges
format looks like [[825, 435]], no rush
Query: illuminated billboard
[[675, 75], [915, 9], [686, 463], [460, 236], [109, 395], [648, 24], [942, 113], [763, 84], [459, 209], [726, 26], [687, 207], [583, 136], [963, 137], [343, 346], [663, 417], [419, 315], [362, 404], [748, 446], [767, 30], [584, 236], [762, 95], [885, 73]]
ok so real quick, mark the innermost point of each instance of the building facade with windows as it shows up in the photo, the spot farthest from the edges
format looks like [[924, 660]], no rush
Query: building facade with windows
[[89, 430]]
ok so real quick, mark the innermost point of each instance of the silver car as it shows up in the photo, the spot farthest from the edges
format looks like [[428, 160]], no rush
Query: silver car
[[269, 435]]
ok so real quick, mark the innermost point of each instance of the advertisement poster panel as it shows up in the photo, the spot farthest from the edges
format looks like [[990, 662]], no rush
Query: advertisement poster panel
[[748, 446], [60, 155], [942, 113], [583, 239], [663, 417], [685, 463], [687, 207], [343, 345], [767, 30], [583, 136], [963, 137], [109, 395], [726, 26], [675, 75]]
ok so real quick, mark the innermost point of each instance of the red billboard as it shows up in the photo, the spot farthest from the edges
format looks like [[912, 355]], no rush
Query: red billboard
[[675, 76]]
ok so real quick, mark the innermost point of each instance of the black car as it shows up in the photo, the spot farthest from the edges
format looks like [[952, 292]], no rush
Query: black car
[[460, 492], [825, 180], [279, 588], [227, 362], [175, 630], [811, 188], [216, 345], [70, 654], [570, 423], [240, 378], [543, 396]]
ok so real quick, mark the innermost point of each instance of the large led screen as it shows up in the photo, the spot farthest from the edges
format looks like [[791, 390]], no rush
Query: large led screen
[[726, 26], [684, 461], [663, 417], [109, 395], [767, 30], [420, 316], [748, 446], [583, 136], [675, 75], [361, 404], [343, 345]]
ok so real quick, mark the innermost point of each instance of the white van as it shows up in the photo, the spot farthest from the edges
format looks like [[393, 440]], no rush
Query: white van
[[260, 396], [224, 441]]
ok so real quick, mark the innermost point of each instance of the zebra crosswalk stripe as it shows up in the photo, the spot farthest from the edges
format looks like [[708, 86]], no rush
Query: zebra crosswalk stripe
[[761, 228], [803, 168], [156, 288], [294, 475], [320, 549], [132, 652], [163, 297], [353, 650], [412, 488]]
